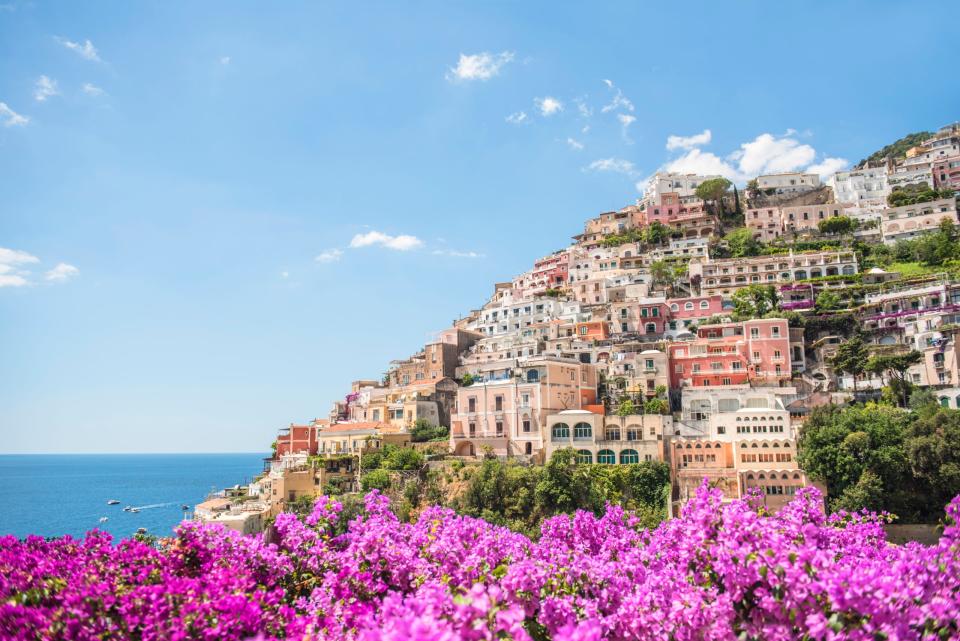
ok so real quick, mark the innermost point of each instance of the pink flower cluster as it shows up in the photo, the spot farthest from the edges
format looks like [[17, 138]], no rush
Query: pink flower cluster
[[720, 571]]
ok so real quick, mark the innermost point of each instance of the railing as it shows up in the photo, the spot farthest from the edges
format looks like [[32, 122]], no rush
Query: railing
[[797, 304], [951, 307]]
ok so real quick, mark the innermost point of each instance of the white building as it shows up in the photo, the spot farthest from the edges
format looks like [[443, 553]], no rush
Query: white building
[[861, 187], [788, 182], [736, 412], [684, 185]]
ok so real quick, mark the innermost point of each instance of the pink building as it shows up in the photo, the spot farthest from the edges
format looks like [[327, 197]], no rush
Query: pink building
[[695, 307], [946, 173], [549, 272], [685, 213], [765, 223], [808, 217], [507, 413], [647, 316], [753, 351]]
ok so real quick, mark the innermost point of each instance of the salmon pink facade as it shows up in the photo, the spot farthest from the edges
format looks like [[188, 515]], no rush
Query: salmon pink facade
[[754, 351]]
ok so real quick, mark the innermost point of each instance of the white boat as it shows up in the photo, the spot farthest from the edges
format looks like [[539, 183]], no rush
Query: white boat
[[113, 502], [104, 519], [134, 509]]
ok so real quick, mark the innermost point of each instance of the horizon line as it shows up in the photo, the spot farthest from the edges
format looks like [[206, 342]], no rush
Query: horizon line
[[118, 453]]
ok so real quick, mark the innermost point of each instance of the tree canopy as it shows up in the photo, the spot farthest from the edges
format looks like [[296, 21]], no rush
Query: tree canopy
[[742, 243], [754, 301]]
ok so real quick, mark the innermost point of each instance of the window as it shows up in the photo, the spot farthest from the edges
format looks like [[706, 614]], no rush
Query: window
[[472, 404], [629, 456], [651, 328], [649, 363], [498, 403], [704, 304], [613, 434], [584, 456], [473, 430], [775, 331], [560, 431], [754, 332], [688, 306], [582, 431], [606, 457], [528, 448], [634, 432], [499, 428]]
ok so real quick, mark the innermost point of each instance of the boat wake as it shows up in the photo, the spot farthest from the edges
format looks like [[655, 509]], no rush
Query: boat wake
[[154, 505]]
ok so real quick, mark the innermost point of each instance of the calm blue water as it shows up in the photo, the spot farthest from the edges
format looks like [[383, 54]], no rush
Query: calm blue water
[[51, 495]]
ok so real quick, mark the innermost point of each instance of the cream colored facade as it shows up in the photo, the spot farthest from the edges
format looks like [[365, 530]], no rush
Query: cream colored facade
[[609, 439], [726, 276]]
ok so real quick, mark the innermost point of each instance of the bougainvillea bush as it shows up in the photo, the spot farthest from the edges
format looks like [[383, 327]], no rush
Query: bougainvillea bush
[[720, 571]]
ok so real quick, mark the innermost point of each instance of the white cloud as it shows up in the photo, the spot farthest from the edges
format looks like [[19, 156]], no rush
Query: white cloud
[[457, 254], [765, 154], [625, 121], [12, 261], [92, 89], [575, 144], [62, 272], [548, 105], [617, 165], [619, 100], [85, 50], [284, 275], [44, 88], [16, 257], [329, 256], [224, 60], [479, 66], [403, 242], [828, 167], [689, 142], [518, 118], [768, 154], [11, 117], [703, 163], [583, 108]]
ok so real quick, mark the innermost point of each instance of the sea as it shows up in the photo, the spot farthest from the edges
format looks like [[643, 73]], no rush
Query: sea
[[57, 494]]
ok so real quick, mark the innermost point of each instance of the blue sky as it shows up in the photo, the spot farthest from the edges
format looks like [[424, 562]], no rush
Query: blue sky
[[181, 183]]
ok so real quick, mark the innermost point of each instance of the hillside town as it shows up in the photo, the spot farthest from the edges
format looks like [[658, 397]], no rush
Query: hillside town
[[698, 326]]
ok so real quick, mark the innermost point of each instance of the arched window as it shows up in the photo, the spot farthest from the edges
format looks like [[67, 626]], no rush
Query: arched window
[[704, 304], [629, 456], [607, 457], [651, 328], [584, 456], [582, 431], [944, 401], [560, 431], [688, 306]]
